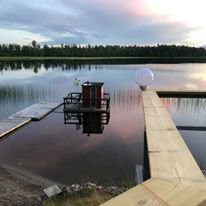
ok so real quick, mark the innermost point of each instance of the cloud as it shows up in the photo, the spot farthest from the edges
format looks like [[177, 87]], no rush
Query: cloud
[[91, 21]]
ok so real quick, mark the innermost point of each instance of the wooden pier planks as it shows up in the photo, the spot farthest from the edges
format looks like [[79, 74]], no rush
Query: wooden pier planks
[[159, 192], [176, 179], [169, 157], [182, 93], [37, 111], [10, 124], [33, 112]]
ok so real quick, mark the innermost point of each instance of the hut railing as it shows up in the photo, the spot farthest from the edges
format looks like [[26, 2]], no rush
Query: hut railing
[[73, 98], [76, 98]]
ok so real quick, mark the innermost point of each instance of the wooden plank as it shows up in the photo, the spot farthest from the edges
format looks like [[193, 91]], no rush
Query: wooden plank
[[139, 195], [192, 128], [37, 111], [176, 179], [173, 140], [158, 119], [33, 112], [182, 93], [151, 100], [177, 194], [169, 157], [155, 192], [174, 166], [11, 124]]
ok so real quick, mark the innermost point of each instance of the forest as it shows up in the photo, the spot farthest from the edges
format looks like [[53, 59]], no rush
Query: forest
[[65, 50]]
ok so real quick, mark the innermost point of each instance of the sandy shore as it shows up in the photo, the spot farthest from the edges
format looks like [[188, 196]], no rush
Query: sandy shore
[[21, 188]]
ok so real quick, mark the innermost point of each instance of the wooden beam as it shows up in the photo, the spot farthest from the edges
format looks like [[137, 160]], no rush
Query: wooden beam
[[176, 179], [37, 111], [10, 124], [33, 112], [182, 93], [192, 128], [160, 192], [169, 157]]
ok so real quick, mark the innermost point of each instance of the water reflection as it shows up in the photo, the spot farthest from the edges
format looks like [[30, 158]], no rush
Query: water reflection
[[186, 111], [185, 105], [61, 152], [90, 122], [196, 142], [17, 94], [36, 65], [14, 98], [129, 98]]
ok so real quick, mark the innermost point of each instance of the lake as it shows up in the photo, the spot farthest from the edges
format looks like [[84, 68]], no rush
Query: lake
[[62, 152]]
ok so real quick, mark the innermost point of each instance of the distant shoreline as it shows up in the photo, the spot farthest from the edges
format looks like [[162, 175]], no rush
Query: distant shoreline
[[104, 60], [28, 58]]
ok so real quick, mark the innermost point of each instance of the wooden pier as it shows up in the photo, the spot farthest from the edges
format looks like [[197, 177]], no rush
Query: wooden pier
[[31, 113], [175, 178], [182, 93]]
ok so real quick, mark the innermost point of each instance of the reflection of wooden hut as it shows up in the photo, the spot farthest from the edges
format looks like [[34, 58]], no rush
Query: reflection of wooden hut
[[91, 108], [92, 93], [92, 123]]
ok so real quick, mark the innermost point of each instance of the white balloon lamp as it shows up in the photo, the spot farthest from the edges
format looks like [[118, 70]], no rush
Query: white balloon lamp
[[144, 77]]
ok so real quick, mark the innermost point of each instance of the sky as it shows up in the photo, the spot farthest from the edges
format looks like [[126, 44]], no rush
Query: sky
[[123, 22]]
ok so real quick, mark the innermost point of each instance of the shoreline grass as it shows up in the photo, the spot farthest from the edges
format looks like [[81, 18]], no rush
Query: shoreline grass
[[94, 198]]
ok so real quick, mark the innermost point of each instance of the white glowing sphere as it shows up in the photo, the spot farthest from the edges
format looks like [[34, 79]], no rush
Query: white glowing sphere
[[144, 77]]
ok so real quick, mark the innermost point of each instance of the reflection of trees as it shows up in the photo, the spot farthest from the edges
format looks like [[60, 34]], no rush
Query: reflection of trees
[[190, 105], [77, 64], [37, 65], [19, 65], [15, 95], [127, 98]]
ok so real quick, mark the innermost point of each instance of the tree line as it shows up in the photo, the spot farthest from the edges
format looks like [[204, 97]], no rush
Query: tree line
[[65, 50]]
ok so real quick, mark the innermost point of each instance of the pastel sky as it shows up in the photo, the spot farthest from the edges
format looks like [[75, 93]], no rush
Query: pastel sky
[[125, 22]]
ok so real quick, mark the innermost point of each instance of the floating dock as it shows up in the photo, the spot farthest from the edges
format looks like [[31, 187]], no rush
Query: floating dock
[[175, 178], [36, 111], [31, 113]]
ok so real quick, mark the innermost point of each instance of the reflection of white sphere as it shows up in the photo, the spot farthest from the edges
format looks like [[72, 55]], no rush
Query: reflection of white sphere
[[144, 77]]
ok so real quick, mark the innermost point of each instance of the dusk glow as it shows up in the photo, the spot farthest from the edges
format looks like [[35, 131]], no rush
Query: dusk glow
[[141, 22]]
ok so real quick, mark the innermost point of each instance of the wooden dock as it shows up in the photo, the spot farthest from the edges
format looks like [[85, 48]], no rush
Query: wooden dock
[[182, 93], [169, 157], [37, 111], [175, 178], [31, 113]]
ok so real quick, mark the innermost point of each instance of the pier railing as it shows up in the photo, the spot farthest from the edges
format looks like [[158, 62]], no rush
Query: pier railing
[[76, 99]]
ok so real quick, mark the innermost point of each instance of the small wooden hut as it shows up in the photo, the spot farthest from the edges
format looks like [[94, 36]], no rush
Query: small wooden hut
[[92, 94]]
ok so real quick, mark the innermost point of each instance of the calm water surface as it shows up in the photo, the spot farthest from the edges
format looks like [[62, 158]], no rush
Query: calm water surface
[[61, 152]]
